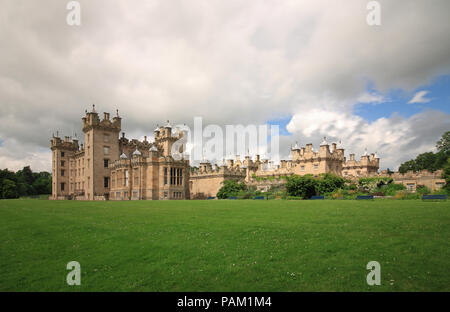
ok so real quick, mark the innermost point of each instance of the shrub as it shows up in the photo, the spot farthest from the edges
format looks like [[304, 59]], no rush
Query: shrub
[[337, 195], [391, 188], [231, 188], [371, 184], [422, 190], [301, 186], [328, 183]]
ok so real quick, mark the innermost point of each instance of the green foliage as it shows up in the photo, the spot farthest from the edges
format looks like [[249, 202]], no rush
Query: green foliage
[[430, 161], [391, 188], [231, 188], [25, 183], [422, 190], [9, 189], [328, 183], [301, 186], [443, 145], [371, 184], [307, 186]]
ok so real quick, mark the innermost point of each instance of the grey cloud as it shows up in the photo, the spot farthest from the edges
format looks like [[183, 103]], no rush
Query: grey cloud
[[228, 61]]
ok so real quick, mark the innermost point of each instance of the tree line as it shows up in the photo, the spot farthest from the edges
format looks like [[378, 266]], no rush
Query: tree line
[[430, 161], [24, 182]]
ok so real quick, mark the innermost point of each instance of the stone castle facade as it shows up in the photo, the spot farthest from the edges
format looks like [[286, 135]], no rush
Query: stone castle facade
[[111, 167]]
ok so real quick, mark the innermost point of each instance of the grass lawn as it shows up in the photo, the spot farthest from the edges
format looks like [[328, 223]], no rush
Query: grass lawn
[[239, 245]]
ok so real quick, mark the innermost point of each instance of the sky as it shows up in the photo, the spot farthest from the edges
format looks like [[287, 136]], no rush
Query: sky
[[315, 68]]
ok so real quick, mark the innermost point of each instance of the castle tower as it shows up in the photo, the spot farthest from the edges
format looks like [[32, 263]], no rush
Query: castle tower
[[101, 145], [62, 153]]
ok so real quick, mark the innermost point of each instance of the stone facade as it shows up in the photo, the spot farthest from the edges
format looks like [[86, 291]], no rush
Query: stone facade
[[328, 159], [82, 172], [109, 167], [411, 180]]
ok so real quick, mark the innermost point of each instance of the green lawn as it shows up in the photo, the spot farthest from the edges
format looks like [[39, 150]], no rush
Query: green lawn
[[240, 245]]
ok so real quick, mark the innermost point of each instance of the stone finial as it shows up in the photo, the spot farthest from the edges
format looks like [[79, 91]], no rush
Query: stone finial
[[324, 142]]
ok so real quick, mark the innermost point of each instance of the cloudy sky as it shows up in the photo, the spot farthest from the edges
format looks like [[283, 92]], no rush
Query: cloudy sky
[[316, 68]]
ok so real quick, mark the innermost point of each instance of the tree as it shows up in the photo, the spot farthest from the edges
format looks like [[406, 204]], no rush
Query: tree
[[231, 188], [301, 186], [426, 161], [9, 189], [407, 166], [443, 145]]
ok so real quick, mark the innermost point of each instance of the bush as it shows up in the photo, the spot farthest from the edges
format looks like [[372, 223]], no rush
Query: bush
[[422, 190], [301, 186], [328, 183], [406, 195], [391, 188], [370, 185], [231, 188], [338, 194]]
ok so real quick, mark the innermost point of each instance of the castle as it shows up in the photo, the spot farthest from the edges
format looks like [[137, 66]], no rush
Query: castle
[[109, 167]]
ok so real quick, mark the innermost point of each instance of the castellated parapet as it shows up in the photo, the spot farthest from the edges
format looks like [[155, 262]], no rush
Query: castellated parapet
[[107, 166]]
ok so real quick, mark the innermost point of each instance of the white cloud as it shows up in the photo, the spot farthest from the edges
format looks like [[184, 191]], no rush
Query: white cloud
[[227, 61], [419, 97], [371, 98], [395, 139]]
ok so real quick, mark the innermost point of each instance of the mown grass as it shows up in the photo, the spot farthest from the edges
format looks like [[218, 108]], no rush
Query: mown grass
[[245, 245]]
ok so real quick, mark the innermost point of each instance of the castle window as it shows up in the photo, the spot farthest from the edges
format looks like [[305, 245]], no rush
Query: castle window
[[62, 154], [302, 168], [410, 187], [165, 175], [106, 182], [126, 177], [106, 150], [62, 173], [62, 186], [106, 138], [181, 176], [105, 163], [62, 163], [316, 167]]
